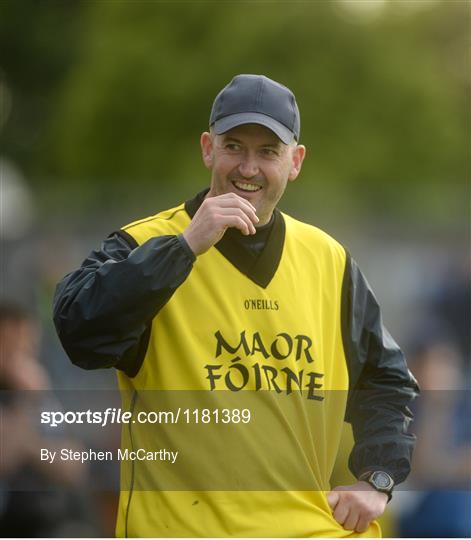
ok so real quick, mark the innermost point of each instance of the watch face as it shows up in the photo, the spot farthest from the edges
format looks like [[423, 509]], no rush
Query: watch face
[[381, 480]]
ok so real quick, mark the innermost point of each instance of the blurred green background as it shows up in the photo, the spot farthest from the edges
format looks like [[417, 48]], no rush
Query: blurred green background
[[104, 101]]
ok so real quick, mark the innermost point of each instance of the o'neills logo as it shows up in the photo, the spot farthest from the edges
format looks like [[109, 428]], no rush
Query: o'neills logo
[[241, 370], [261, 303]]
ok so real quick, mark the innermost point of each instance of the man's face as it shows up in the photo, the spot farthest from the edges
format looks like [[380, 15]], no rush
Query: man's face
[[251, 161]]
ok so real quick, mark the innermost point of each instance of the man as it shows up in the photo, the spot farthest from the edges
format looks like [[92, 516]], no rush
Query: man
[[226, 293], [38, 499]]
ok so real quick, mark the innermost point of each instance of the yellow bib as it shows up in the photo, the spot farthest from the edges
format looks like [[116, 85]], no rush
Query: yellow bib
[[224, 343]]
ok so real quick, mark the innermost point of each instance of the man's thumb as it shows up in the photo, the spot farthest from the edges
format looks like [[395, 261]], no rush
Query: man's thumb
[[333, 498]]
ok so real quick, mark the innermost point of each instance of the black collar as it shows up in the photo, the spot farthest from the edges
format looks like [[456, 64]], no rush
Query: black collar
[[259, 268]]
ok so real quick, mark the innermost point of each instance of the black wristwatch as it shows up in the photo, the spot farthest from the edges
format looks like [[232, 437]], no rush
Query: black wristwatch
[[380, 480]]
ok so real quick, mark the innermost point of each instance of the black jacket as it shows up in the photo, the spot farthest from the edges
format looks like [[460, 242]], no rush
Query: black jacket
[[103, 310]]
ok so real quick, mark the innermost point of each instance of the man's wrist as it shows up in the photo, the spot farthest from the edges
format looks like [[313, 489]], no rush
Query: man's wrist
[[186, 247], [379, 480]]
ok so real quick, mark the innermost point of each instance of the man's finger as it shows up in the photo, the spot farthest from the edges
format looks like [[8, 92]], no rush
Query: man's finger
[[341, 513], [333, 498], [238, 223], [242, 212], [229, 199], [362, 525], [236, 212], [351, 522]]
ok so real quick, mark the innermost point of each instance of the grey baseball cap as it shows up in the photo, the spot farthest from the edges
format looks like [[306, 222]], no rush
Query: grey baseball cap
[[256, 99]]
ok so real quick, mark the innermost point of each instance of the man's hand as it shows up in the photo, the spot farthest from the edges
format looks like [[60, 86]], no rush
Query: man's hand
[[355, 506], [214, 216]]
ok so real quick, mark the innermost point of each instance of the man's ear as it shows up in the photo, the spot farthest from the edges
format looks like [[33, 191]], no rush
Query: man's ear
[[206, 142], [299, 153]]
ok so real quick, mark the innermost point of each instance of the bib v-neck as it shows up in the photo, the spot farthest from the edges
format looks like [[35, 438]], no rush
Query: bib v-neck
[[256, 256]]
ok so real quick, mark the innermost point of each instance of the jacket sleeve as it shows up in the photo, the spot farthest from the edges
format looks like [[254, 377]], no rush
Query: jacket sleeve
[[381, 385], [103, 310]]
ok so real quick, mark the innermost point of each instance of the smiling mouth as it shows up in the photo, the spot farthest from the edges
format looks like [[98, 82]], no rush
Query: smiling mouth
[[247, 187]]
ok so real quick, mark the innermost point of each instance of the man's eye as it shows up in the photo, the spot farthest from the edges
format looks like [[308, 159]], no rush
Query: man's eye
[[233, 147], [269, 152]]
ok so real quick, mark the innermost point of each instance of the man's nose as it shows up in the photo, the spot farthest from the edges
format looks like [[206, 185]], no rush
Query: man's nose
[[248, 167]]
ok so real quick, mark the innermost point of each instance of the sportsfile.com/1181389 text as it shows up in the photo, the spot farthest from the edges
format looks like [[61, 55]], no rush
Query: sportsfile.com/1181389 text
[[113, 415]]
